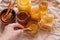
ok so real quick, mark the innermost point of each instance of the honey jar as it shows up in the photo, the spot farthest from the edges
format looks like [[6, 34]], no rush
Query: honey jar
[[43, 8], [46, 23], [35, 12], [24, 5], [33, 28], [23, 17]]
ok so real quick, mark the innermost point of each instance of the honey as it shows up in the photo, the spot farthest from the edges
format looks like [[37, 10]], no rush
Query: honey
[[48, 18], [5, 21], [24, 5], [8, 19], [48, 27], [43, 8], [5, 17], [23, 17], [46, 22], [35, 13], [33, 28]]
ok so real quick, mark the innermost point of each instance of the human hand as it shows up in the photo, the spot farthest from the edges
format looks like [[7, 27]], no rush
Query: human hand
[[10, 33]]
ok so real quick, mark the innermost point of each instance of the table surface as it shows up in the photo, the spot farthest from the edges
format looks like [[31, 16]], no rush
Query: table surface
[[53, 8]]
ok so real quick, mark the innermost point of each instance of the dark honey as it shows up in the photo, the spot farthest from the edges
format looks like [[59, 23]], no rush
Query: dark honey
[[23, 17], [10, 19]]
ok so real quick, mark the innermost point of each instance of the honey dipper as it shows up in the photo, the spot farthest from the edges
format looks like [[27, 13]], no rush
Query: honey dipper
[[8, 13], [25, 29]]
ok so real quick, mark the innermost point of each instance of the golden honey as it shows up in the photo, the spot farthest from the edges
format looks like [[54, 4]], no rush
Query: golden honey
[[24, 5], [34, 13], [33, 28], [49, 18], [46, 22], [46, 26], [43, 8]]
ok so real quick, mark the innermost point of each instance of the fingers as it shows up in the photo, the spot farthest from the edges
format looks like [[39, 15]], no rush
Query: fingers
[[9, 30], [19, 31], [15, 25]]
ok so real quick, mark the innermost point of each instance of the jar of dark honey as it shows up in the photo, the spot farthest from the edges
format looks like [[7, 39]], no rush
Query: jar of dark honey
[[23, 17]]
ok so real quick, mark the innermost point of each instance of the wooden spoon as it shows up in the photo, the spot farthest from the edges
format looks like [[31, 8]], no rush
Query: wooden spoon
[[8, 13]]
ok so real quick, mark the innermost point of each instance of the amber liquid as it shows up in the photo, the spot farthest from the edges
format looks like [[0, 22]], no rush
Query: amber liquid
[[32, 26], [43, 7]]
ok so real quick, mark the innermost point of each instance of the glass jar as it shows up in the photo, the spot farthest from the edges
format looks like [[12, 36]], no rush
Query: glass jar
[[46, 23], [35, 12], [24, 5], [23, 17], [43, 8], [33, 28]]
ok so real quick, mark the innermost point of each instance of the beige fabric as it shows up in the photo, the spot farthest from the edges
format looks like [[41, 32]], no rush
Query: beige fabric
[[53, 8]]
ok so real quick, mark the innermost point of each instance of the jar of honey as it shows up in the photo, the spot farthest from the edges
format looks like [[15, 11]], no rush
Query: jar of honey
[[24, 5], [43, 8], [35, 12], [23, 17], [46, 23], [33, 28]]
